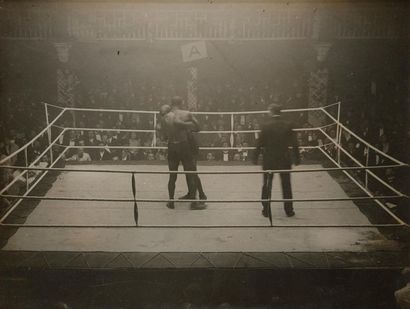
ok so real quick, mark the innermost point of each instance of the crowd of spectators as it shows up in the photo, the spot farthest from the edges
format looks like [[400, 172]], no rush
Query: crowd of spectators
[[107, 144], [384, 133], [231, 96]]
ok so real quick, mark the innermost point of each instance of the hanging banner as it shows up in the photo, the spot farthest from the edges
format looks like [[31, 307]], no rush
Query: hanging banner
[[194, 51]]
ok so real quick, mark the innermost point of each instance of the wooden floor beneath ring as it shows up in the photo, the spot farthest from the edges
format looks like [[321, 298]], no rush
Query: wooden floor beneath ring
[[276, 239]]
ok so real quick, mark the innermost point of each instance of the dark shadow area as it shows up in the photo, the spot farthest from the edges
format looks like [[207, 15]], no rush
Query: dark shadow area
[[302, 289]]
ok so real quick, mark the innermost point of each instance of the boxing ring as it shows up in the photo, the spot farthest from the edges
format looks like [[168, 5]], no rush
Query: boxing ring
[[113, 215]]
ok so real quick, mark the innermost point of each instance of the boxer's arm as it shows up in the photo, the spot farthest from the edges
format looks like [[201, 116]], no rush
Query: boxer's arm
[[187, 124], [161, 129], [195, 121]]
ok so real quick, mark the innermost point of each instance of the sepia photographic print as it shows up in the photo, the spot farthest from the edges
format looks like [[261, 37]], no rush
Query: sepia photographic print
[[203, 154]]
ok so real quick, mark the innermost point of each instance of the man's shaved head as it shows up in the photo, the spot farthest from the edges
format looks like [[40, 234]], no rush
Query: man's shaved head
[[165, 109], [176, 101], [275, 109]]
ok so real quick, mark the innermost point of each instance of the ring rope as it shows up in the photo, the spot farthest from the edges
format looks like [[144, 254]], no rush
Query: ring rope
[[32, 164], [223, 172], [200, 132], [108, 110], [400, 222], [86, 199], [165, 147], [25, 146], [227, 113], [368, 171], [366, 190], [320, 226], [15, 205], [361, 140]]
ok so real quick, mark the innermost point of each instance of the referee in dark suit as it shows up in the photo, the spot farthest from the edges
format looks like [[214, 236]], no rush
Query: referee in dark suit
[[275, 139]]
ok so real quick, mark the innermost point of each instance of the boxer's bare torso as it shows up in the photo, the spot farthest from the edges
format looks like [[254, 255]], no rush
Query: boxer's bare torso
[[178, 124]]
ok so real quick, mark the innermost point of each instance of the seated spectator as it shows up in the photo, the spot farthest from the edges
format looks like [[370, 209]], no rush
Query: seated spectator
[[125, 155], [237, 156], [256, 126], [91, 139], [4, 204], [221, 123], [98, 136], [220, 140], [112, 139], [353, 150], [135, 154], [226, 154], [330, 143], [81, 142], [3, 150], [103, 153], [384, 144], [147, 142], [19, 177], [244, 152], [11, 147], [160, 155], [104, 138], [33, 151], [80, 156], [57, 150], [6, 174], [23, 181], [238, 139], [345, 138], [150, 156], [210, 156], [71, 140], [206, 139]]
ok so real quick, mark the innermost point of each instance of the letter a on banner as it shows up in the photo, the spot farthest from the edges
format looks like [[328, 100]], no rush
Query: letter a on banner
[[194, 51]]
